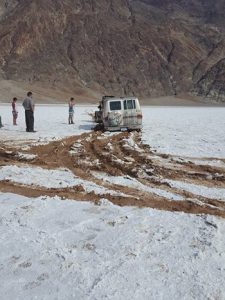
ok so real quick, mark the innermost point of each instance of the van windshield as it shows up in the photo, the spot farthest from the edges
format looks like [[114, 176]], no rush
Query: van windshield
[[115, 105]]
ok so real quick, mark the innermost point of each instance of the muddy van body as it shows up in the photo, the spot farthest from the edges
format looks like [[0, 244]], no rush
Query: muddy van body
[[120, 113]]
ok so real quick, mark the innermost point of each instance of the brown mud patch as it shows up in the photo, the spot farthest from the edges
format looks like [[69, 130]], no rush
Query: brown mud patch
[[120, 154]]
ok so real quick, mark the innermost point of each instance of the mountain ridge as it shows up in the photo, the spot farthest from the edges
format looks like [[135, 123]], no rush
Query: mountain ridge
[[148, 48]]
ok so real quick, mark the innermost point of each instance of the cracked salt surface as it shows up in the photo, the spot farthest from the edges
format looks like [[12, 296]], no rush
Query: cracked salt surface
[[185, 131], [128, 181], [212, 163], [50, 123], [26, 156], [59, 178], [76, 250], [73, 250], [200, 190]]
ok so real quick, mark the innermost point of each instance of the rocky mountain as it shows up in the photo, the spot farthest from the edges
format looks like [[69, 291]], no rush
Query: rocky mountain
[[143, 47]]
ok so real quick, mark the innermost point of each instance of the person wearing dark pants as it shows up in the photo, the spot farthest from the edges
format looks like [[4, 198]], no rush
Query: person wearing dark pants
[[1, 122], [28, 105], [29, 117]]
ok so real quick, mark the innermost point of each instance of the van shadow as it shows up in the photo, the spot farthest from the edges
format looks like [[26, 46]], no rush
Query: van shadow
[[87, 127]]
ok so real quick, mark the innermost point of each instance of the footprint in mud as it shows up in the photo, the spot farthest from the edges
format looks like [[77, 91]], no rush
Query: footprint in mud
[[43, 277], [90, 247], [93, 210], [118, 221], [25, 264], [162, 235], [14, 259], [91, 237], [34, 284]]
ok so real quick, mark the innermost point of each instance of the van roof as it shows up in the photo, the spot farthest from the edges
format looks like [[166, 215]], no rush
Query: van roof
[[119, 98]]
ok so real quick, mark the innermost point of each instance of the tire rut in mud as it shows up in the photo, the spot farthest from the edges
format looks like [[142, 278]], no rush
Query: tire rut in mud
[[120, 154]]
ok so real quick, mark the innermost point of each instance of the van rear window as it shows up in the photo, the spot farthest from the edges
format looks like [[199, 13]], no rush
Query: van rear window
[[129, 104], [115, 105]]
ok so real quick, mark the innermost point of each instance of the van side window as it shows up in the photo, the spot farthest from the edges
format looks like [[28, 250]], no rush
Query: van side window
[[115, 105], [129, 104]]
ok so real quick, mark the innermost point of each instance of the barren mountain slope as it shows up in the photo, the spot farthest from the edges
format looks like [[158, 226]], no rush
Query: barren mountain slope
[[149, 48]]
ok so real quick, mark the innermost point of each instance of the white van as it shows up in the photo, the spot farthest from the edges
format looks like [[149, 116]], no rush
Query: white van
[[119, 113]]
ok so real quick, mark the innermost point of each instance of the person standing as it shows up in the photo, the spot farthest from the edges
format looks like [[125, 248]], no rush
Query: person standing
[[14, 111], [71, 110], [28, 105], [1, 122]]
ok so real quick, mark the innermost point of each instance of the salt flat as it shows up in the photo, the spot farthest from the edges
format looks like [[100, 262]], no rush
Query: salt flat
[[50, 123], [53, 249], [65, 249], [184, 131]]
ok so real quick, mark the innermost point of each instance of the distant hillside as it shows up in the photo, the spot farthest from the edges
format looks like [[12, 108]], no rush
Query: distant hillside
[[144, 47]]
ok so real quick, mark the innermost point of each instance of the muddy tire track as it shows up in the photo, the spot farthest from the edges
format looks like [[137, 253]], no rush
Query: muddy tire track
[[121, 154]]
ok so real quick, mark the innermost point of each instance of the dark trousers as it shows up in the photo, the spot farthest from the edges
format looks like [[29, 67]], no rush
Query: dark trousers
[[29, 117]]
